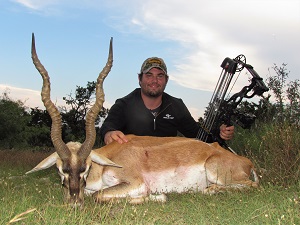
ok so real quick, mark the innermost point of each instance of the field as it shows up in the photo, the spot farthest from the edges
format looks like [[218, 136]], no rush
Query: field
[[37, 199]]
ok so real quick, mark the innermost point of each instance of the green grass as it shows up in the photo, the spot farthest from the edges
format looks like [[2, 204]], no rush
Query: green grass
[[40, 197]]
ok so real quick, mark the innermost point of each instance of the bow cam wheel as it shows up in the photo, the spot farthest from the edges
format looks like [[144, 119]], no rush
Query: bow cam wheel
[[241, 60]]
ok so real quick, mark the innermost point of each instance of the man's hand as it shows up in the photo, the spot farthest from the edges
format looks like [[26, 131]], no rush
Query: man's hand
[[115, 135], [226, 133]]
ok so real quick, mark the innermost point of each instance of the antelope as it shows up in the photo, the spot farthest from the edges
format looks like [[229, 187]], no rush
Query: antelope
[[145, 168]]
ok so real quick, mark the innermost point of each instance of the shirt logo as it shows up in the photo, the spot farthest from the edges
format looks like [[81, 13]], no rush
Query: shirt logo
[[168, 117]]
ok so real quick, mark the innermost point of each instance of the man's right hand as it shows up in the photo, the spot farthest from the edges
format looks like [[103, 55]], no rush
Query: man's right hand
[[115, 135]]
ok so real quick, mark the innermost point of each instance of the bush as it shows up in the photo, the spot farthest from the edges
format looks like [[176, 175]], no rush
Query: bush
[[13, 120]]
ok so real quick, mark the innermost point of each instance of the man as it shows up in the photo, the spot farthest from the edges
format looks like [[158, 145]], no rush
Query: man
[[150, 111]]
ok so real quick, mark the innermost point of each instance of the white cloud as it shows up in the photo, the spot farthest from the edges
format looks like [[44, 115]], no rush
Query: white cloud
[[36, 4], [209, 31], [30, 98]]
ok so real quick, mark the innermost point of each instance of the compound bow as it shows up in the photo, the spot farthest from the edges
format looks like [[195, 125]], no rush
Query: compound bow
[[221, 110]]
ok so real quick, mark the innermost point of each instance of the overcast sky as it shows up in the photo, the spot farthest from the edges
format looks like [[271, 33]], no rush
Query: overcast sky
[[193, 37]]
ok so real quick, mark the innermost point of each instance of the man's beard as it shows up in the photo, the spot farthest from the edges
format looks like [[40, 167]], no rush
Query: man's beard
[[154, 93]]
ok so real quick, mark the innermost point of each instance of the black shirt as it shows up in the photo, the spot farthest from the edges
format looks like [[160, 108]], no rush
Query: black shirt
[[131, 116]]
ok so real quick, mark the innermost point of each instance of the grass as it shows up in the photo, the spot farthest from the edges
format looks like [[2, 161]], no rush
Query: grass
[[37, 199], [274, 149]]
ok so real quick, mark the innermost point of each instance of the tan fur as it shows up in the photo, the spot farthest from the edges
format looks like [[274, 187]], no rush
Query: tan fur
[[144, 155]]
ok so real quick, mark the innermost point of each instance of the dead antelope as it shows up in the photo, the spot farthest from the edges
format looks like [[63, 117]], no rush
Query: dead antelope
[[144, 168], [154, 166]]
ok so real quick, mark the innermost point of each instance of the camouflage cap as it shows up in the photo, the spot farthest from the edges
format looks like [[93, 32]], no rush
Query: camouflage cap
[[153, 62]]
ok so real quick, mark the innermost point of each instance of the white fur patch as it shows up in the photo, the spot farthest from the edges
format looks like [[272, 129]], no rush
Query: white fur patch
[[108, 179], [158, 198], [180, 179]]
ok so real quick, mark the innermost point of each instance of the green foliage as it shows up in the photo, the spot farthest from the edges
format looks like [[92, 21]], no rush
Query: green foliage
[[39, 128], [287, 95], [74, 115], [277, 82], [264, 111], [13, 120]]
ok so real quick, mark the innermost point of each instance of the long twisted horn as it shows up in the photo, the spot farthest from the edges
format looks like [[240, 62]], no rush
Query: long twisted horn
[[60, 146], [94, 111]]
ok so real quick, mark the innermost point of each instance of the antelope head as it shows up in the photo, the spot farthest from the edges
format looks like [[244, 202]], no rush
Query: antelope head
[[73, 159]]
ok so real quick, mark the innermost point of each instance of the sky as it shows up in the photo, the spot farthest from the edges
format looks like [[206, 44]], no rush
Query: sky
[[193, 37]]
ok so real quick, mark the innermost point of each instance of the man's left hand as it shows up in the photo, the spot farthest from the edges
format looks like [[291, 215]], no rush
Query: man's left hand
[[226, 132]]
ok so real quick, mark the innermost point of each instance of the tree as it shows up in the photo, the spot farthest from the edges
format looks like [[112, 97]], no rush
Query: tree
[[13, 120], [39, 128], [277, 84], [287, 95], [74, 114], [293, 96], [264, 111]]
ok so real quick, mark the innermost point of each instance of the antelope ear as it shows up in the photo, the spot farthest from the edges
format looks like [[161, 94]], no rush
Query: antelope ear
[[46, 163], [101, 160]]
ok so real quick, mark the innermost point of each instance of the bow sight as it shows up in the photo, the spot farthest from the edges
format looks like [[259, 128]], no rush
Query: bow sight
[[224, 111]]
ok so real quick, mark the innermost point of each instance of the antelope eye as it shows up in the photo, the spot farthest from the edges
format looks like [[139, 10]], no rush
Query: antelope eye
[[66, 170], [82, 169]]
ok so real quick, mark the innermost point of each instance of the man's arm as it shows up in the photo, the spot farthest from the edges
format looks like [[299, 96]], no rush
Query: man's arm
[[115, 135], [113, 122]]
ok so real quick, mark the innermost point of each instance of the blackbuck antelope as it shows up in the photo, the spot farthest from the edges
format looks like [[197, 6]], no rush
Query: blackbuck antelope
[[144, 168]]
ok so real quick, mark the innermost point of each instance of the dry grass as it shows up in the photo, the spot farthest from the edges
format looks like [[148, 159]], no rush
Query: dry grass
[[22, 158]]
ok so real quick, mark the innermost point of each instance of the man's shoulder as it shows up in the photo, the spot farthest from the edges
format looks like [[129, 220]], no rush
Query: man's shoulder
[[172, 99], [131, 95]]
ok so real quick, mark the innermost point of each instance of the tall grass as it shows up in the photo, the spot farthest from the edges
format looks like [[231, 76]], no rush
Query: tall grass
[[275, 150]]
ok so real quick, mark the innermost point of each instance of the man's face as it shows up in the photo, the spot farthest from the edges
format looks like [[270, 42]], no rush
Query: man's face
[[153, 82]]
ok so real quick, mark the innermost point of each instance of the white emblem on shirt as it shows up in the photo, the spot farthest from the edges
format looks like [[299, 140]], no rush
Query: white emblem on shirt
[[168, 117]]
